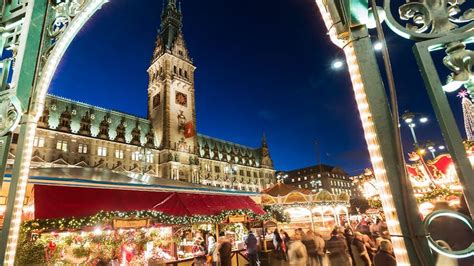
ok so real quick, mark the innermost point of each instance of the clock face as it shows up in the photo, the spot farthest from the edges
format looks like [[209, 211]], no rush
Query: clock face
[[181, 98]]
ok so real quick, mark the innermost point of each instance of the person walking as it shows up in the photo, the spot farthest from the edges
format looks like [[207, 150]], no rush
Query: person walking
[[286, 242], [251, 243], [338, 251], [279, 254], [349, 235], [359, 250], [310, 245], [212, 251], [225, 252], [199, 252], [320, 247], [384, 256], [297, 255]]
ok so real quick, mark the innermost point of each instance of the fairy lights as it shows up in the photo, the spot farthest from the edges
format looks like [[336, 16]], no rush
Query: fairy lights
[[33, 116], [370, 135]]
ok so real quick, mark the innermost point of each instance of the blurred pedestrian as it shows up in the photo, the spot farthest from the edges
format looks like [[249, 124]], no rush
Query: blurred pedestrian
[[384, 256], [310, 245], [297, 254], [370, 246], [251, 243], [338, 250], [320, 247], [279, 254], [212, 252], [359, 250], [199, 251], [225, 251], [349, 235], [286, 242]]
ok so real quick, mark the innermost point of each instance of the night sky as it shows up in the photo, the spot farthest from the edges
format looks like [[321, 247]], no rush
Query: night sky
[[262, 66]]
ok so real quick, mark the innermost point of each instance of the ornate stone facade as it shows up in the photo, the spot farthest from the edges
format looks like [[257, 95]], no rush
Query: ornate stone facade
[[75, 134]]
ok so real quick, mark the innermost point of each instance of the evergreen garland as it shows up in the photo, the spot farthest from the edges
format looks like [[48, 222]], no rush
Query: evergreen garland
[[104, 218]]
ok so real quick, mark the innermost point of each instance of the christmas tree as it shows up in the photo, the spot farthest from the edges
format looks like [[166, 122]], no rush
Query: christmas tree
[[468, 113]]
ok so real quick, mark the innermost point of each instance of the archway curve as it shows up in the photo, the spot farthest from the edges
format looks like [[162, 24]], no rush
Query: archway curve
[[32, 115]]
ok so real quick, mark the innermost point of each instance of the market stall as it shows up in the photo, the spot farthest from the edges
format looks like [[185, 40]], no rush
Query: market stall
[[91, 225], [317, 211]]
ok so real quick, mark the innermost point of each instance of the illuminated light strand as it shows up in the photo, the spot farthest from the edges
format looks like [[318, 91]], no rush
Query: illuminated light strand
[[370, 136], [35, 112], [376, 157]]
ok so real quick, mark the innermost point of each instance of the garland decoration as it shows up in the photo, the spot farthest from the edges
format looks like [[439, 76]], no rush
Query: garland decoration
[[438, 193], [278, 213], [104, 218]]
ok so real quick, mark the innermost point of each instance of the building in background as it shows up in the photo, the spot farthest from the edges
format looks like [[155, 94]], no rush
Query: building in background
[[319, 177], [165, 144]]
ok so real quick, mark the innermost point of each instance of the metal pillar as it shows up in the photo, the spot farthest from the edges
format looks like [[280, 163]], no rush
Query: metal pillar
[[25, 72], [412, 234], [4, 151]]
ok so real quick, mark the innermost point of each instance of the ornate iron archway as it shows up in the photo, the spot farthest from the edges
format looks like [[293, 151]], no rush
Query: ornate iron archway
[[35, 36]]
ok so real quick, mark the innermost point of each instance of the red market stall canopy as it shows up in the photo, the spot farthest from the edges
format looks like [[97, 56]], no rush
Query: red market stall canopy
[[58, 201]]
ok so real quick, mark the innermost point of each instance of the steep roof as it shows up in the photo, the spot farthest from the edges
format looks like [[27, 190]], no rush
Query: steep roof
[[56, 105], [316, 169], [221, 150], [209, 147], [281, 189]]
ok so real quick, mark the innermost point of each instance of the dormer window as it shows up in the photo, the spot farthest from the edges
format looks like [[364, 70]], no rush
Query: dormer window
[[180, 53]]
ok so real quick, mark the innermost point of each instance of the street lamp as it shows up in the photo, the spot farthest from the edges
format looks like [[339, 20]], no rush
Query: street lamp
[[337, 64], [378, 46], [431, 146], [281, 176], [410, 120]]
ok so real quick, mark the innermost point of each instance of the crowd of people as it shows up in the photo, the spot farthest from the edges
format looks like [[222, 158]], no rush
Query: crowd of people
[[363, 244]]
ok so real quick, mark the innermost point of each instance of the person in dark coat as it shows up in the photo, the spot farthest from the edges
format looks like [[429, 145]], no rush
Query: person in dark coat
[[384, 256], [251, 243], [225, 252], [338, 250]]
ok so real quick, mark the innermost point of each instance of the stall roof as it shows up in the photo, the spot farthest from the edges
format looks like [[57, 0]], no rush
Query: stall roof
[[280, 189], [103, 178], [58, 201]]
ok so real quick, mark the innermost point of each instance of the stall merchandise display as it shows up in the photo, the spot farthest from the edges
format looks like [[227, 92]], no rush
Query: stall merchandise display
[[131, 246]]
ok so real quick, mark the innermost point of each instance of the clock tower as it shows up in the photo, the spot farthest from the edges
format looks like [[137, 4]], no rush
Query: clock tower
[[171, 102]]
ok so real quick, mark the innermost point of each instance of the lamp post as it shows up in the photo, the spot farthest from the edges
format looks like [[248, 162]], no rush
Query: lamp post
[[410, 120], [281, 176]]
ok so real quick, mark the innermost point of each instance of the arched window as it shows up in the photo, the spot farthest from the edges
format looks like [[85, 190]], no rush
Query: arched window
[[175, 70], [180, 72], [186, 74], [156, 100]]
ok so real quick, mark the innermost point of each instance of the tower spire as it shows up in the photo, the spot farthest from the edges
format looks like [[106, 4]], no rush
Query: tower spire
[[171, 23], [264, 140]]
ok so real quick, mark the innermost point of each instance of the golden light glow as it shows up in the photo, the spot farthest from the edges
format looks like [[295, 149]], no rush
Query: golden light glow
[[39, 95], [370, 137]]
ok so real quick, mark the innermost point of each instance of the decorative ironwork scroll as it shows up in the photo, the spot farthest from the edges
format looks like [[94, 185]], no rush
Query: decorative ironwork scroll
[[428, 19]]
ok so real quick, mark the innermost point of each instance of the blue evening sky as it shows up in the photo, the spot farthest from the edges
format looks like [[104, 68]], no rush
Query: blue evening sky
[[262, 66]]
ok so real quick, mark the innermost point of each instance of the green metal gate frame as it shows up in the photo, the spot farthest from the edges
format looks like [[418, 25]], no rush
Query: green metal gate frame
[[444, 114]]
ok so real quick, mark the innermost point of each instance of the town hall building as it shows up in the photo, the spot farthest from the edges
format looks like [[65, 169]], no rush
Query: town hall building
[[165, 144]]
